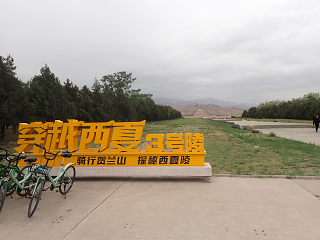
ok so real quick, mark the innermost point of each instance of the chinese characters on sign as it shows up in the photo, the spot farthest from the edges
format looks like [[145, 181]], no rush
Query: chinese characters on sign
[[112, 143], [141, 160]]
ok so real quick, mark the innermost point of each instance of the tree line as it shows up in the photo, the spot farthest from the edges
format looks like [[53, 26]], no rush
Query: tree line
[[45, 98], [304, 108]]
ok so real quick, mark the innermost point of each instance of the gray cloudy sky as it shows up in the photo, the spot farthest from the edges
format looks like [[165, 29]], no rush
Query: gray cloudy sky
[[244, 51]]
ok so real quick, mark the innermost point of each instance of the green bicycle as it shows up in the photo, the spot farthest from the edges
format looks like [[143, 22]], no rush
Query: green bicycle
[[14, 179], [64, 179], [17, 172]]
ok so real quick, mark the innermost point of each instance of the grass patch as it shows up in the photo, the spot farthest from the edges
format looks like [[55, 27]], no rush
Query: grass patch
[[232, 150]]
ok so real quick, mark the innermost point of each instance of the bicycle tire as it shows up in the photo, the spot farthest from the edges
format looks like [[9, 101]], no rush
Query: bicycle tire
[[67, 179], [36, 197], [24, 192], [3, 190]]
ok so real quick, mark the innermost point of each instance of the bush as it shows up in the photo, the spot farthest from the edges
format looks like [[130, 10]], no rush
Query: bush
[[272, 134]]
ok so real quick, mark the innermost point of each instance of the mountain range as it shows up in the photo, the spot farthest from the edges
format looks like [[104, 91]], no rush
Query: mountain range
[[202, 101], [202, 110]]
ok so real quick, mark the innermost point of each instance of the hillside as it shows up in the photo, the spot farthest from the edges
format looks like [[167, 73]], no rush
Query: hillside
[[207, 109]]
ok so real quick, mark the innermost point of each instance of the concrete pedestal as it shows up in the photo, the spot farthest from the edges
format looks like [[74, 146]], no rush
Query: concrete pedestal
[[168, 171]]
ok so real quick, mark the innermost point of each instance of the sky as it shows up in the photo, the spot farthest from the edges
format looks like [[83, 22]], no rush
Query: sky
[[242, 51]]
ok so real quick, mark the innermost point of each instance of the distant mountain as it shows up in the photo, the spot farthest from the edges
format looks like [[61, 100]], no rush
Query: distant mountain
[[179, 102], [207, 109]]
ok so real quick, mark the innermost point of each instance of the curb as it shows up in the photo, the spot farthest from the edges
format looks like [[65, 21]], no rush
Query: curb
[[267, 176]]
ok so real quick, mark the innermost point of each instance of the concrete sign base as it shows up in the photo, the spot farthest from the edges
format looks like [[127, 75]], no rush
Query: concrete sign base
[[168, 171]]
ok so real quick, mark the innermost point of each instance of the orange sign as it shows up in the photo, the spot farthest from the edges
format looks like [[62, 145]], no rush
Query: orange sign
[[112, 143]]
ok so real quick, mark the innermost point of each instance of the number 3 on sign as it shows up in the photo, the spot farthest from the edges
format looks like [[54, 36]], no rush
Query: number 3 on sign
[[157, 143]]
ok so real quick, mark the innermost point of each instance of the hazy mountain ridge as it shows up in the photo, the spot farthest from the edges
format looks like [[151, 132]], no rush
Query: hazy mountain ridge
[[203, 101], [209, 109], [209, 106]]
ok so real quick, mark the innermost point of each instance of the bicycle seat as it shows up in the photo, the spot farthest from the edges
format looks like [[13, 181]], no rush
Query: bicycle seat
[[66, 154], [30, 159]]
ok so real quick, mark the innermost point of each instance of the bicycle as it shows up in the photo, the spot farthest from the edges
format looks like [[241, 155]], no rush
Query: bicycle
[[17, 172], [14, 178], [64, 179]]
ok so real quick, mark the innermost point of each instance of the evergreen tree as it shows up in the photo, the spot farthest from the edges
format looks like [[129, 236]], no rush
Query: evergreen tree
[[14, 104], [49, 97], [85, 105], [117, 89], [101, 110]]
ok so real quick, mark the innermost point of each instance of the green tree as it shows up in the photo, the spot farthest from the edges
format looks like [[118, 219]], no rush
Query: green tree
[[310, 106], [144, 107], [72, 93], [14, 104], [128, 104], [101, 105], [85, 105], [117, 89], [244, 114], [252, 112], [49, 97]]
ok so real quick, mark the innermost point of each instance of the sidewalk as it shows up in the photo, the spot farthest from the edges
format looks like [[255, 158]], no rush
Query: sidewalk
[[170, 208], [174, 208], [295, 131]]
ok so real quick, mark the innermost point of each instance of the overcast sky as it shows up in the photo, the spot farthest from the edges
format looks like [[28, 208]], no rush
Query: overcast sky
[[244, 51]]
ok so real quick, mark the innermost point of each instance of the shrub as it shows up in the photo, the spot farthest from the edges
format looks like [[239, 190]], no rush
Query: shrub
[[272, 134]]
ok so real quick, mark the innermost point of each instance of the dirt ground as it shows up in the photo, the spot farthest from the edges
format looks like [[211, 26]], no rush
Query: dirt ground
[[10, 139]]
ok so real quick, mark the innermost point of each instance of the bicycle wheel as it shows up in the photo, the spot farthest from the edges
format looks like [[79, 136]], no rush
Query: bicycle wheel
[[23, 192], [35, 197], [3, 190], [67, 179]]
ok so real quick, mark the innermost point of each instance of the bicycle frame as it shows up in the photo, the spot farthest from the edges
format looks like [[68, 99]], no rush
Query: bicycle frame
[[55, 181], [13, 169], [10, 178], [45, 170], [8, 172], [21, 183]]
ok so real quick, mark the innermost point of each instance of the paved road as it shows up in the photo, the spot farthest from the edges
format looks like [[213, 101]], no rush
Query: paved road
[[173, 208], [305, 133], [170, 208]]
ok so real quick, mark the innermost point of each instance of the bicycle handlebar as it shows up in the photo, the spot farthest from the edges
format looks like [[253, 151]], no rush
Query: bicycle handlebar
[[15, 158], [7, 152], [40, 146], [46, 152]]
